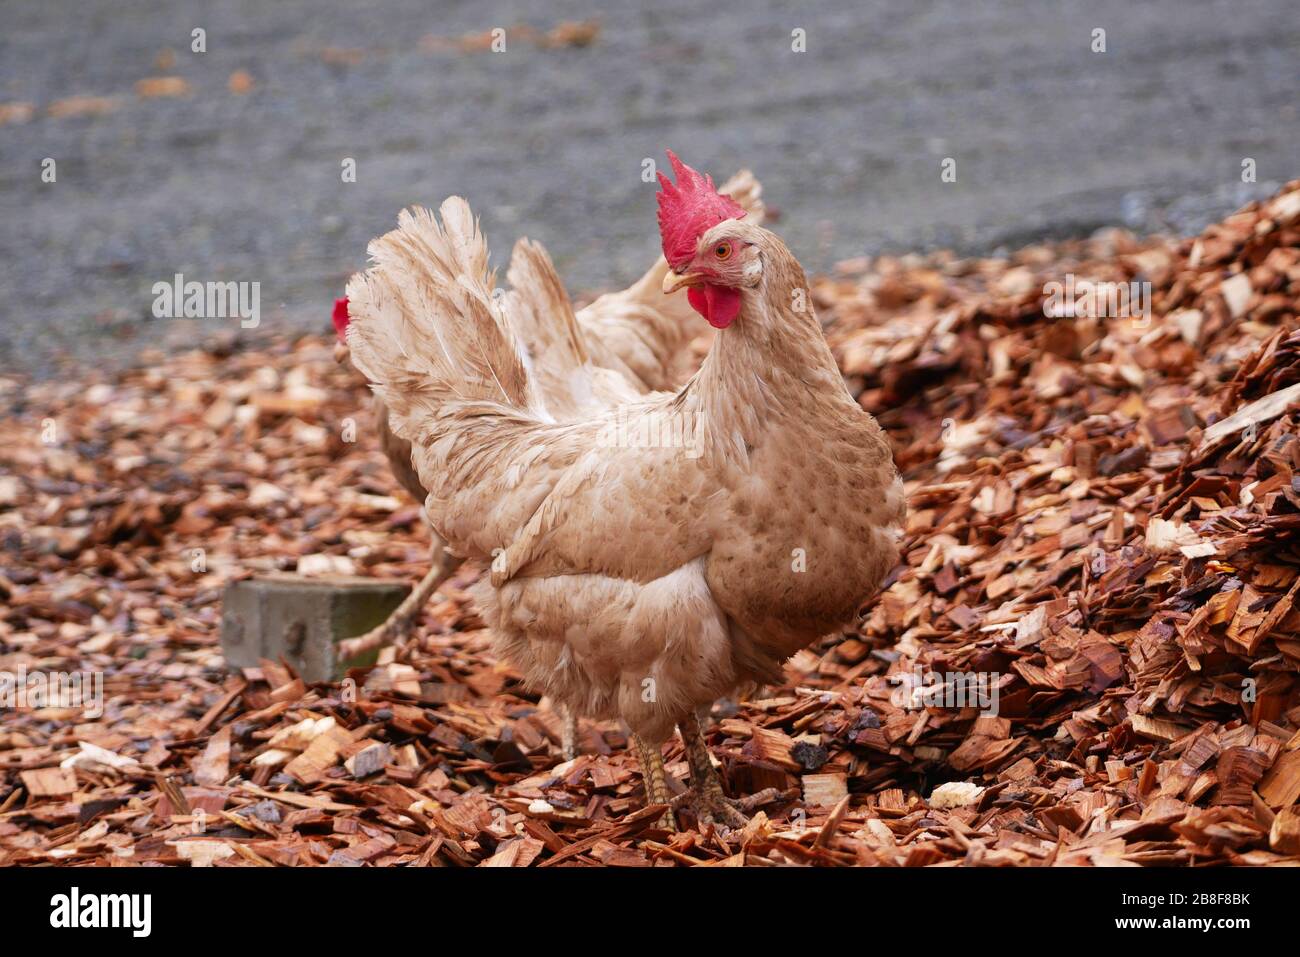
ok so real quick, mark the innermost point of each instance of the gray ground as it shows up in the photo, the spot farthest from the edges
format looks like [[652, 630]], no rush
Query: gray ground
[[1049, 137]]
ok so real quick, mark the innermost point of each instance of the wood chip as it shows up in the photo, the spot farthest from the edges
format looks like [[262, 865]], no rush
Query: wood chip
[[1102, 535]]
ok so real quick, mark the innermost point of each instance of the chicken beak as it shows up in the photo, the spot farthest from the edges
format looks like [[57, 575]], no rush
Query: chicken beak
[[674, 281]]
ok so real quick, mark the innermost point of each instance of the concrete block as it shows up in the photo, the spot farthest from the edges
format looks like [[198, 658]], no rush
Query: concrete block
[[303, 620]]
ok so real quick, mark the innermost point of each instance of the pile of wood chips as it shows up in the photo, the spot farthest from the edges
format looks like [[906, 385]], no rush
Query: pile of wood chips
[[1089, 655]]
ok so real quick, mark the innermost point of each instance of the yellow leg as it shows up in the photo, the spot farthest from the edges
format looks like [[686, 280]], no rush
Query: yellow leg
[[655, 778]]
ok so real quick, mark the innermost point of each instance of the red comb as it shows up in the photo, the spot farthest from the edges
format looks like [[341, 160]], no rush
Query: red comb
[[341, 318], [688, 210]]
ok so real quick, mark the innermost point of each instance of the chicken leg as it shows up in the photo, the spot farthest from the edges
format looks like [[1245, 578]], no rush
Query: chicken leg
[[397, 624], [655, 778], [712, 805], [568, 732]]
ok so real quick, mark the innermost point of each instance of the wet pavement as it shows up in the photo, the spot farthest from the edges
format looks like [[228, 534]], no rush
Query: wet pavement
[[1049, 138]]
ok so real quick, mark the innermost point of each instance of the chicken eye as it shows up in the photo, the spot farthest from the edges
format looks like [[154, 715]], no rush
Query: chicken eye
[[722, 250]]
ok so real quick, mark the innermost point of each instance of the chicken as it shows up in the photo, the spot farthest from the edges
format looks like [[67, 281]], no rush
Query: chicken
[[630, 578], [635, 340]]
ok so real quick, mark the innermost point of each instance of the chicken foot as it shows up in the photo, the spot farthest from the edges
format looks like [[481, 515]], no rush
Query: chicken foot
[[655, 778], [712, 806]]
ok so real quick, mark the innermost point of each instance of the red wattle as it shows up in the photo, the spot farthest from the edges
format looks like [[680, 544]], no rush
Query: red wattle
[[341, 318], [718, 304]]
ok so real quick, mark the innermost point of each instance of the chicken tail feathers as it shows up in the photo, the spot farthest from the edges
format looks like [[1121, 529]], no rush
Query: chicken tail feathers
[[541, 317], [425, 327]]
